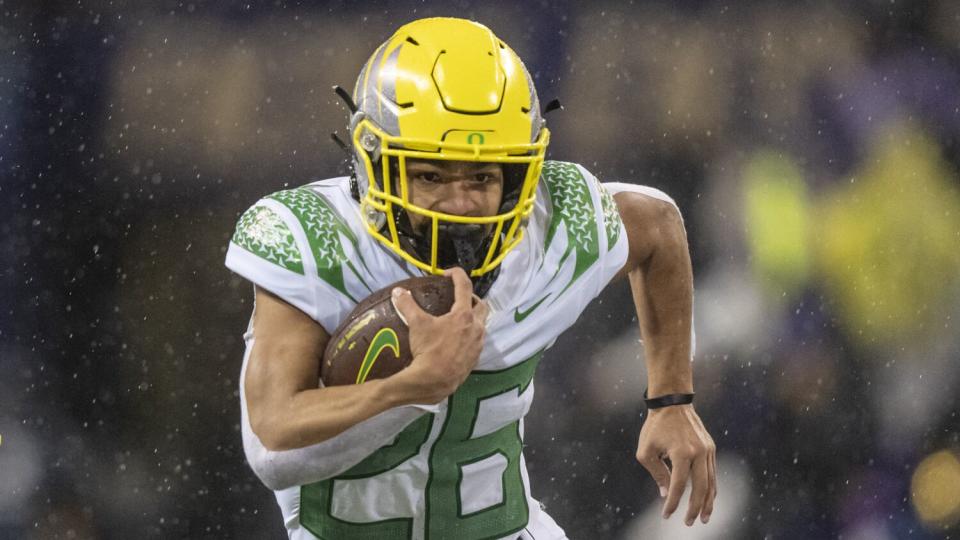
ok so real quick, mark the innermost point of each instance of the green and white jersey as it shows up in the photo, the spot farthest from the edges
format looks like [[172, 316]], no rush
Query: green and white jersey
[[455, 470]]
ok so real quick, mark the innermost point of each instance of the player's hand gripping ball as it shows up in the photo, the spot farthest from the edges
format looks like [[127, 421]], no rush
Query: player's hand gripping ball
[[373, 342]]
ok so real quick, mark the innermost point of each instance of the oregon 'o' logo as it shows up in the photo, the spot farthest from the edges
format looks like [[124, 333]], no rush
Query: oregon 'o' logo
[[473, 135]]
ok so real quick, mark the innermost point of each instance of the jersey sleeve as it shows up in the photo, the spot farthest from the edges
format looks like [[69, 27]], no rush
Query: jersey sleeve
[[616, 187], [611, 232], [584, 218], [615, 247], [291, 243]]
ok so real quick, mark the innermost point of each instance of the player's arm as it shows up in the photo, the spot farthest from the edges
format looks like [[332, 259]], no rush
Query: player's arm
[[661, 279], [287, 409]]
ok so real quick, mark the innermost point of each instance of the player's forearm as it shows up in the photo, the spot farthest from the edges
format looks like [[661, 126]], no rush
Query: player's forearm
[[313, 416], [662, 288], [421, 383]]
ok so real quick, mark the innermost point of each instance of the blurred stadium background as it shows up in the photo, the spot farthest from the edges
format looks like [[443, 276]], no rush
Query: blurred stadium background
[[813, 148]]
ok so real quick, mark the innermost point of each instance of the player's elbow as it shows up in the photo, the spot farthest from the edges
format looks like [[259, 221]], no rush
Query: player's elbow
[[264, 449], [270, 415], [272, 433]]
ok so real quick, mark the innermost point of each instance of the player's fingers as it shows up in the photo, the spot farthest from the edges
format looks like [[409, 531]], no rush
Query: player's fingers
[[711, 472], [462, 288], [698, 489], [406, 307], [712, 490], [657, 469], [480, 312], [678, 480]]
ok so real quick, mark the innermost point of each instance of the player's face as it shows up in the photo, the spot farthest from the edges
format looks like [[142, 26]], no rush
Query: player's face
[[462, 188]]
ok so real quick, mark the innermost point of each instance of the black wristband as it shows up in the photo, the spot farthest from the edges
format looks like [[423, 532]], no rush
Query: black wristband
[[667, 400]]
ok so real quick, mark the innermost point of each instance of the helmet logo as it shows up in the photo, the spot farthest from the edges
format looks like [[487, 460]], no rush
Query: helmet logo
[[476, 135]]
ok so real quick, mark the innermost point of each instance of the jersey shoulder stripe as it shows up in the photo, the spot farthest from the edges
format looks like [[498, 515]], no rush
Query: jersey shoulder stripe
[[611, 215], [264, 233], [572, 206], [325, 230]]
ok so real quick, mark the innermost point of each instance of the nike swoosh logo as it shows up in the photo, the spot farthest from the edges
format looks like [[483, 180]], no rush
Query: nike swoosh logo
[[386, 338], [521, 315]]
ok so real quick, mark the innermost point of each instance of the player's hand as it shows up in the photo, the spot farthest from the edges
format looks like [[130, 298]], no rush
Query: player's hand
[[445, 349], [677, 433]]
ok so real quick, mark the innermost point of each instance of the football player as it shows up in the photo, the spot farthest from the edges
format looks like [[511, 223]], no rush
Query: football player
[[450, 178]]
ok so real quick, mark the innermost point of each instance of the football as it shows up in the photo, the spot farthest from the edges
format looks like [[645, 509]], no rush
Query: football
[[373, 341]]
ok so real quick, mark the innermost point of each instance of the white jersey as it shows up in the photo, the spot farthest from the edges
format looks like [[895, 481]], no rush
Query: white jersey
[[457, 471]]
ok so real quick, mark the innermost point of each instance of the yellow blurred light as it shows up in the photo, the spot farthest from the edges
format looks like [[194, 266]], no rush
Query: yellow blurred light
[[777, 211], [935, 489], [887, 240]]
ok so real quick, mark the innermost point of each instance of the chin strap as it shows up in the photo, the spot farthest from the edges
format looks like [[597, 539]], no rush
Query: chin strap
[[470, 246], [467, 239], [482, 283], [459, 244]]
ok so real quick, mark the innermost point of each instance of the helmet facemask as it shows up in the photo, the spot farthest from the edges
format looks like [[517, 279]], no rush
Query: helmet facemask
[[459, 244], [476, 243]]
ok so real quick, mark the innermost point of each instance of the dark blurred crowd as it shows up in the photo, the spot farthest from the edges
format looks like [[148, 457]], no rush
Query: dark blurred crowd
[[812, 147]]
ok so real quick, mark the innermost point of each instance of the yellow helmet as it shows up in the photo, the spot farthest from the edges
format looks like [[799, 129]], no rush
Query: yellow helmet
[[446, 89]]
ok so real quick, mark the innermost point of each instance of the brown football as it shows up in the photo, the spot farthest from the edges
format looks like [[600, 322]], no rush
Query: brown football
[[373, 341]]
